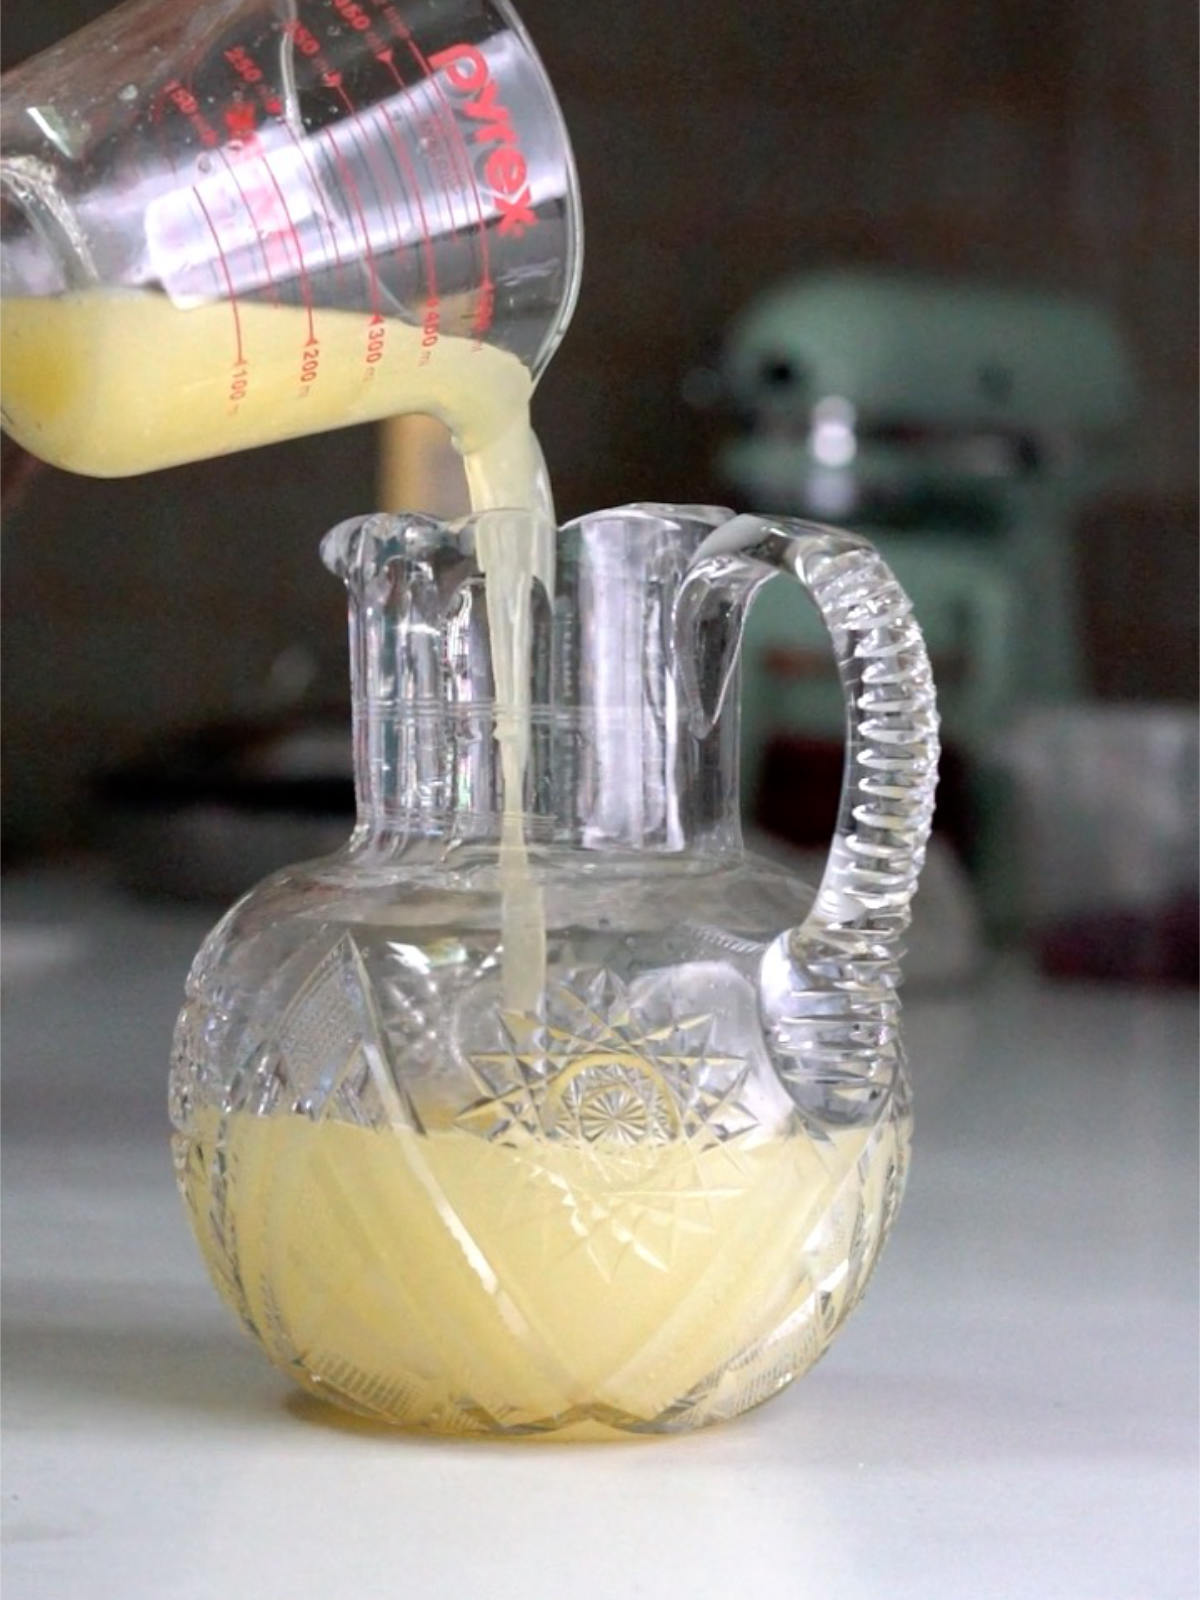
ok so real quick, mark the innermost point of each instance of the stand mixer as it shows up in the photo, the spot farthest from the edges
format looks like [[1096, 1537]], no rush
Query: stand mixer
[[960, 426]]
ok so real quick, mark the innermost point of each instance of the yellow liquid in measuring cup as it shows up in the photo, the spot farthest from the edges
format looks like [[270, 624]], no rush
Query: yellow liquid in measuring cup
[[110, 382], [114, 382], [440, 1280]]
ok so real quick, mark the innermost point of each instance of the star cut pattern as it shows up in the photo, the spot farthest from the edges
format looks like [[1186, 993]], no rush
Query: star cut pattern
[[593, 1068], [645, 1100], [620, 1105]]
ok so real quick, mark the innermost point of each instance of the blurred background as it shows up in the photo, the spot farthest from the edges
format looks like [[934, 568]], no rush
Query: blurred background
[[929, 271], [924, 267]]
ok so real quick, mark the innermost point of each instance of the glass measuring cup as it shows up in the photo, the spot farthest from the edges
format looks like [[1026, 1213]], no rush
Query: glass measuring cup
[[229, 224]]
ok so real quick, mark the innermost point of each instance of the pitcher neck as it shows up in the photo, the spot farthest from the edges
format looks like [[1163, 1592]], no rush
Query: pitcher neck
[[594, 779], [598, 732]]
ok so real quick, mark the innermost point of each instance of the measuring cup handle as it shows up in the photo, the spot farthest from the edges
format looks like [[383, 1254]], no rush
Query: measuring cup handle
[[828, 987]]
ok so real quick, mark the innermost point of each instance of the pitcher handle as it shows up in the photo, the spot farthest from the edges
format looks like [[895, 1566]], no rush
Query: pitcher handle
[[827, 988]]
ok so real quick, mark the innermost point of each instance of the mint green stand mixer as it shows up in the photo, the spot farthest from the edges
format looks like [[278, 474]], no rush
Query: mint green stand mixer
[[959, 427]]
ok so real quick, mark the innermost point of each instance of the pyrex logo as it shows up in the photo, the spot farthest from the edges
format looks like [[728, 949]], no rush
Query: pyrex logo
[[503, 167]]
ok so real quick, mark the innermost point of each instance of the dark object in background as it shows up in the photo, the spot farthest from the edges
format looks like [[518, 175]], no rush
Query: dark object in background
[[800, 782], [1049, 152], [17, 470], [207, 814], [1127, 946], [794, 809], [1106, 850], [1143, 545]]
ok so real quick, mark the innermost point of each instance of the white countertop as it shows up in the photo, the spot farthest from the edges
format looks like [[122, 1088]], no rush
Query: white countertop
[[1012, 1413]]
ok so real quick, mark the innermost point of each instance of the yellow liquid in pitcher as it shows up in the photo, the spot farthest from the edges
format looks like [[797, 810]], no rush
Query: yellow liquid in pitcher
[[441, 1280], [446, 1282]]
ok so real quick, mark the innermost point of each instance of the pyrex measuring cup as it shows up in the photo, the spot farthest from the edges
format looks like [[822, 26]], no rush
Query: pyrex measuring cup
[[238, 222]]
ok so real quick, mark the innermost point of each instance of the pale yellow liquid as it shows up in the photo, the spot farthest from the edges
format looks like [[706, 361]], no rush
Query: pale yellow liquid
[[111, 382], [443, 1281]]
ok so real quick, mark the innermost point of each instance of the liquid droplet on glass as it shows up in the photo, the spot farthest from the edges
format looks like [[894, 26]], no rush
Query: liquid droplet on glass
[[129, 92]]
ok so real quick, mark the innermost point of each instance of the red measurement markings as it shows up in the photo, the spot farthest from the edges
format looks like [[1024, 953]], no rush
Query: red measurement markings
[[186, 103], [365, 132], [241, 121], [431, 320], [465, 176], [310, 359], [385, 54], [267, 210], [432, 144], [259, 211], [309, 45], [485, 308], [400, 31], [263, 198], [249, 71], [376, 328], [170, 151], [376, 335], [159, 107], [398, 27], [485, 303], [357, 129], [240, 378], [259, 203], [352, 13], [431, 313], [244, 64], [352, 190], [241, 118], [323, 220], [305, 40]]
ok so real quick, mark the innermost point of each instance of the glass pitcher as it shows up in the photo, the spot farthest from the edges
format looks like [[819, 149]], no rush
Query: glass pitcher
[[637, 1183]]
